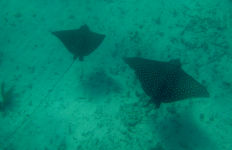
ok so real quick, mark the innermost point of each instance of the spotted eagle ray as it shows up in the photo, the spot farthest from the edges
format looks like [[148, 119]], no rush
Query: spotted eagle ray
[[165, 82], [80, 42]]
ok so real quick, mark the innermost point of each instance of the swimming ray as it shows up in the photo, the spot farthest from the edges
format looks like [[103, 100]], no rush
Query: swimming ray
[[165, 82], [80, 42]]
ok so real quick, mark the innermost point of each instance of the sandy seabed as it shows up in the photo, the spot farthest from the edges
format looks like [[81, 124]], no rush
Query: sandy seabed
[[99, 103]]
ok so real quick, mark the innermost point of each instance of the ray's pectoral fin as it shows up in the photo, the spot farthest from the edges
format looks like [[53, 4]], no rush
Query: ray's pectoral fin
[[175, 62]]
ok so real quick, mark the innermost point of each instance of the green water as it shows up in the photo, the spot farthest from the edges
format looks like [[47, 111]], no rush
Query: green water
[[99, 103]]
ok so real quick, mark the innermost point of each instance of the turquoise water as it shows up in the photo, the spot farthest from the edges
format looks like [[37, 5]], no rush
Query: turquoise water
[[99, 103]]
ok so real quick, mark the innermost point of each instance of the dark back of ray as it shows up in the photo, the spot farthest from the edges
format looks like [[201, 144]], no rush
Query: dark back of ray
[[80, 42], [165, 81]]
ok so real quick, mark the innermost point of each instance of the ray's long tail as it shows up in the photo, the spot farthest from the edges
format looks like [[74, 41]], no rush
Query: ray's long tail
[[26, 119]]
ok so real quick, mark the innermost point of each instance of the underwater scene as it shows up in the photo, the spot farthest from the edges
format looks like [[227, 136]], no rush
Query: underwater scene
[[116, 75]]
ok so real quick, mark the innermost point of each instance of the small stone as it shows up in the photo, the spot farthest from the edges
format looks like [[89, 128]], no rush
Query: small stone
[[18, 15], [202, 117]]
